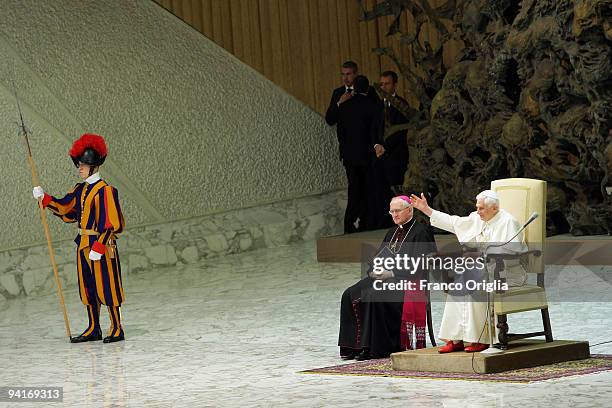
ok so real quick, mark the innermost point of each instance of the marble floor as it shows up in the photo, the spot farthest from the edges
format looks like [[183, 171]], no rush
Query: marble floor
[[235, 331]]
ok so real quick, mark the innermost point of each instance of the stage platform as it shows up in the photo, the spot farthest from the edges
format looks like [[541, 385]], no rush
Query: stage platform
[[520, 354], [559, 250]]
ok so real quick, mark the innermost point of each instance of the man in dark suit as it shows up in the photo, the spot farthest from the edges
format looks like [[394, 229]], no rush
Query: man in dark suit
[[343, 93], [358, 122], [391, 153]]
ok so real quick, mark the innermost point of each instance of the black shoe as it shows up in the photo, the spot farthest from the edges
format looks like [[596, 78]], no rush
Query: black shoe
[[112, 339], [348, 353], [94, 336], [350, 356], [364, 355]]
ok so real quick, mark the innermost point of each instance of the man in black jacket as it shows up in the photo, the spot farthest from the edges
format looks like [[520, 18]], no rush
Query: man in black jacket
[[358, 122], [391, 156], [343, 93]]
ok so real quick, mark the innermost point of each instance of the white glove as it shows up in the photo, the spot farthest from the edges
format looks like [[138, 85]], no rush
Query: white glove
[[94, 256], [38, 192]]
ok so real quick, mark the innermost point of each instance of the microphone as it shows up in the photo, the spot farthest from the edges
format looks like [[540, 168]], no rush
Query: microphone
[[534, 215]]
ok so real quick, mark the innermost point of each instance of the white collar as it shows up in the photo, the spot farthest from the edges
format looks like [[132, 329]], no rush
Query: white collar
[[93, 178], [402, 225], [496, 218]]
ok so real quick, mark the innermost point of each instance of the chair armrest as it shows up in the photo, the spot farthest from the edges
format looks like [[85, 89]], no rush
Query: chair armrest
[[499, 263], [501, 257]]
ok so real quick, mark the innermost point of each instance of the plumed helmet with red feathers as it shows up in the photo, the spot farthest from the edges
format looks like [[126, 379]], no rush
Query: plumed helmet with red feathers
[[89, 149]]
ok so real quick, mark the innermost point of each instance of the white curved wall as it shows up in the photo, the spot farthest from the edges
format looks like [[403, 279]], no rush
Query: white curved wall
[[191, 130]]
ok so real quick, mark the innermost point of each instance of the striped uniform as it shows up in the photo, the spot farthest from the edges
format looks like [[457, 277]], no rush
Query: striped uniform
[[95, 207]]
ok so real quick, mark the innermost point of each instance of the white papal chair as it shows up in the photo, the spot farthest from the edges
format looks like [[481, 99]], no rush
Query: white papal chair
[[521, 197]]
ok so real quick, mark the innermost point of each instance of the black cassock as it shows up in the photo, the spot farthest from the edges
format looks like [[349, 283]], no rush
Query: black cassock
[[371, 319]]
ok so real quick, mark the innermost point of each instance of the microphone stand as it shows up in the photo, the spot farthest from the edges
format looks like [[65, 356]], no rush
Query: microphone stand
[[492, 349]]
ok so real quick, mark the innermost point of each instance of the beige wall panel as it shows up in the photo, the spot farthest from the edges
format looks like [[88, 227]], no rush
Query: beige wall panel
[[349, 18], [188, 15], [238, 31], [327, 66], [246, 33], [373, 42], [334, 58], [207, 21], [196, 10], [218, 21], [302, 37], [315, 49], [275, 43], [226, 30], [255, 34], [343, 33], [265, 23], [289, 80]]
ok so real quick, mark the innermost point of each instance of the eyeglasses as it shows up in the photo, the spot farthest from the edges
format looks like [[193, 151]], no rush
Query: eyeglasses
[[392, 212]]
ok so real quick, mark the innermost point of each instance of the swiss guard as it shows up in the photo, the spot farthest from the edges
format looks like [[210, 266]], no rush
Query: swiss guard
[[94, 206]]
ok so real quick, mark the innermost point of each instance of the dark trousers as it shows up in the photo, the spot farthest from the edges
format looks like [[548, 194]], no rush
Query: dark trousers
[[357, 205], [370, 319], [384, 175]]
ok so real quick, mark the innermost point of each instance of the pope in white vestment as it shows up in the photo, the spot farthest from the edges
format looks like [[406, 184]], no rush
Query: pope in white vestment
[[465, 319]]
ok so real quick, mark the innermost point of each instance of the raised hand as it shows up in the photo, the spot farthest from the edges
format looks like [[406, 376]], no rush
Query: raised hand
[[345, 97], [420, 203]]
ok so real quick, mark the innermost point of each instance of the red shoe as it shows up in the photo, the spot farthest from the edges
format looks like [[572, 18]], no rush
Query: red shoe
[[450, 347], [476, 347]]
